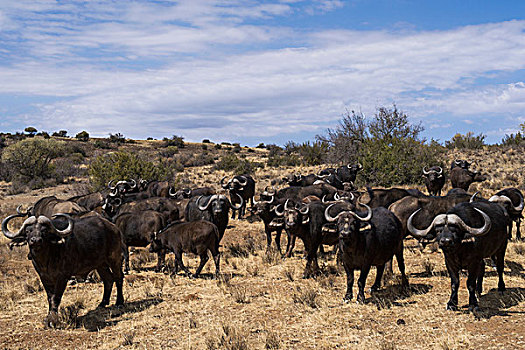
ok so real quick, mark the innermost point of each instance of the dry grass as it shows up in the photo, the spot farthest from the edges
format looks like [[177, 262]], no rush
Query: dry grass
[[260, 301]]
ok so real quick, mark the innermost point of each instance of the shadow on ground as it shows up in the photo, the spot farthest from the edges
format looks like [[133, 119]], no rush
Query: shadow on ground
[[392, 295], [495, 303], [100, 318]]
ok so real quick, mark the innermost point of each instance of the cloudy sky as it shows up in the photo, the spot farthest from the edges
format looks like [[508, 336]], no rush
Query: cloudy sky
[[260, 71]]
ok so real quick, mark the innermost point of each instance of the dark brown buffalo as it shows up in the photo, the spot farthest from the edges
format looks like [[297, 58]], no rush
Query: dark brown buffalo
[[51, 205], [460, 163], [195, 237], [89, 201], [462, 178], [242, 190], [365, 240], [467, 234], [138, 229], [86, 244], [512, 200], [188, 192], [434, 180], [165, 206], [385, 197]]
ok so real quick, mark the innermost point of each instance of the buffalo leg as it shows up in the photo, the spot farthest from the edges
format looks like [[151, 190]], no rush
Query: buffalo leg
[[125, 250], [178, 260], [518, 233], [401, 265], [379, 275], [454, 286], [473, 272], [277, 240], [118, 277], [204, 259], [500, 265], [54, 298], [361, 282], [481, 274], [290, 245], [349, 281], [108, 279], [161, 257], [217, 260]]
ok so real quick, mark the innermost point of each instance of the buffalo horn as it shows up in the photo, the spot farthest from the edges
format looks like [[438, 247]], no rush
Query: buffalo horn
[[425, 172], [238, 206], [12, 235], [277, 212], [70, 223], [422, 233], [327, 215], [473, 198], [454, 219], [303, 211], [205, 206], [172, 191], [245, 180]]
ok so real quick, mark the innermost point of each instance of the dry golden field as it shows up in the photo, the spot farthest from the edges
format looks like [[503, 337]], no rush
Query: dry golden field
[[261, 301]]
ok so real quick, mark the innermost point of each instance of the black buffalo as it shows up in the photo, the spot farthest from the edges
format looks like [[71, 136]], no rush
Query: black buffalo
[[467, 234], [512, 200], [197, 237], [434, 180], [266, 212], [460, 163], [86, 244], [187, 193], [137, 229], [463, 178], [365, 240], [213, 208], [301, 180], [240, 187], [385, 197]]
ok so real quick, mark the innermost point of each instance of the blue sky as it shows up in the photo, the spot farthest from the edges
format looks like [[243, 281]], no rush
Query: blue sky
[[260, 71]]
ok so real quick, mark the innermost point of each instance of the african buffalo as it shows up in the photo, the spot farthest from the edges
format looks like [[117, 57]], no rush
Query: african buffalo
[[240, 186], [195, 237], [468, 233], [434, 180], [86, 244], [462, 178], [512, 200], [368, 240]]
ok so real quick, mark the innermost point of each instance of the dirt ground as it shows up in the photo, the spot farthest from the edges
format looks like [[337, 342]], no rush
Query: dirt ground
[[261, 300]]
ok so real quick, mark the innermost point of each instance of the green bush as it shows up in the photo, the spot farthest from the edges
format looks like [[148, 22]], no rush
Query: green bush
[[513, 140], [169, 151], [117, 138], [102, 144], [177, 141], [388, 147], [230, 162], [31, 158], [125, 165], [82, 136], [467, 141]]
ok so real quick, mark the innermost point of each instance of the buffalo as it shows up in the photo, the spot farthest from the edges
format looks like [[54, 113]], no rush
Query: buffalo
[[366, 240], [86, 244], [512, 200], [240, 187], [137, 230], [463, 178], [468, 233], [197, 237], [434, 180]]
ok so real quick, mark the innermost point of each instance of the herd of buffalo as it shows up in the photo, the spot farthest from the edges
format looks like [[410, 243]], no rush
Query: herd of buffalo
[[71, 238]]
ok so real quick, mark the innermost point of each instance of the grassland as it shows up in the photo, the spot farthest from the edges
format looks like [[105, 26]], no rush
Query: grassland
[[261, 301]]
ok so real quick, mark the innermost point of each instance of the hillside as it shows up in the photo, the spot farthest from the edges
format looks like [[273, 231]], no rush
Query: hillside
[[261, 301]]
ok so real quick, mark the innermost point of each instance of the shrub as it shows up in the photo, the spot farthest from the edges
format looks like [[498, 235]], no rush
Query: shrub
[[513, 140], [261, 145], [117, 138], [467, 141], [230, 162], [82, 136], [102, 144], [175, 140], [125, 165], [31, 158], [31, 131], [169, 151], [206, 141], [388, 147], [217, 146], [60, 133]]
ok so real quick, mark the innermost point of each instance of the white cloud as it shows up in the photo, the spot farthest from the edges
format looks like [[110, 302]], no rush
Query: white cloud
[[198, 66]]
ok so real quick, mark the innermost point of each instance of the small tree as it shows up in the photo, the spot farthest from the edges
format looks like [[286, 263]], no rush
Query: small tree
[[175, 140], [117, 138], [467, 141], [82, 136], [31, 131], [60, 133], [31, 158], [125, 165]]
